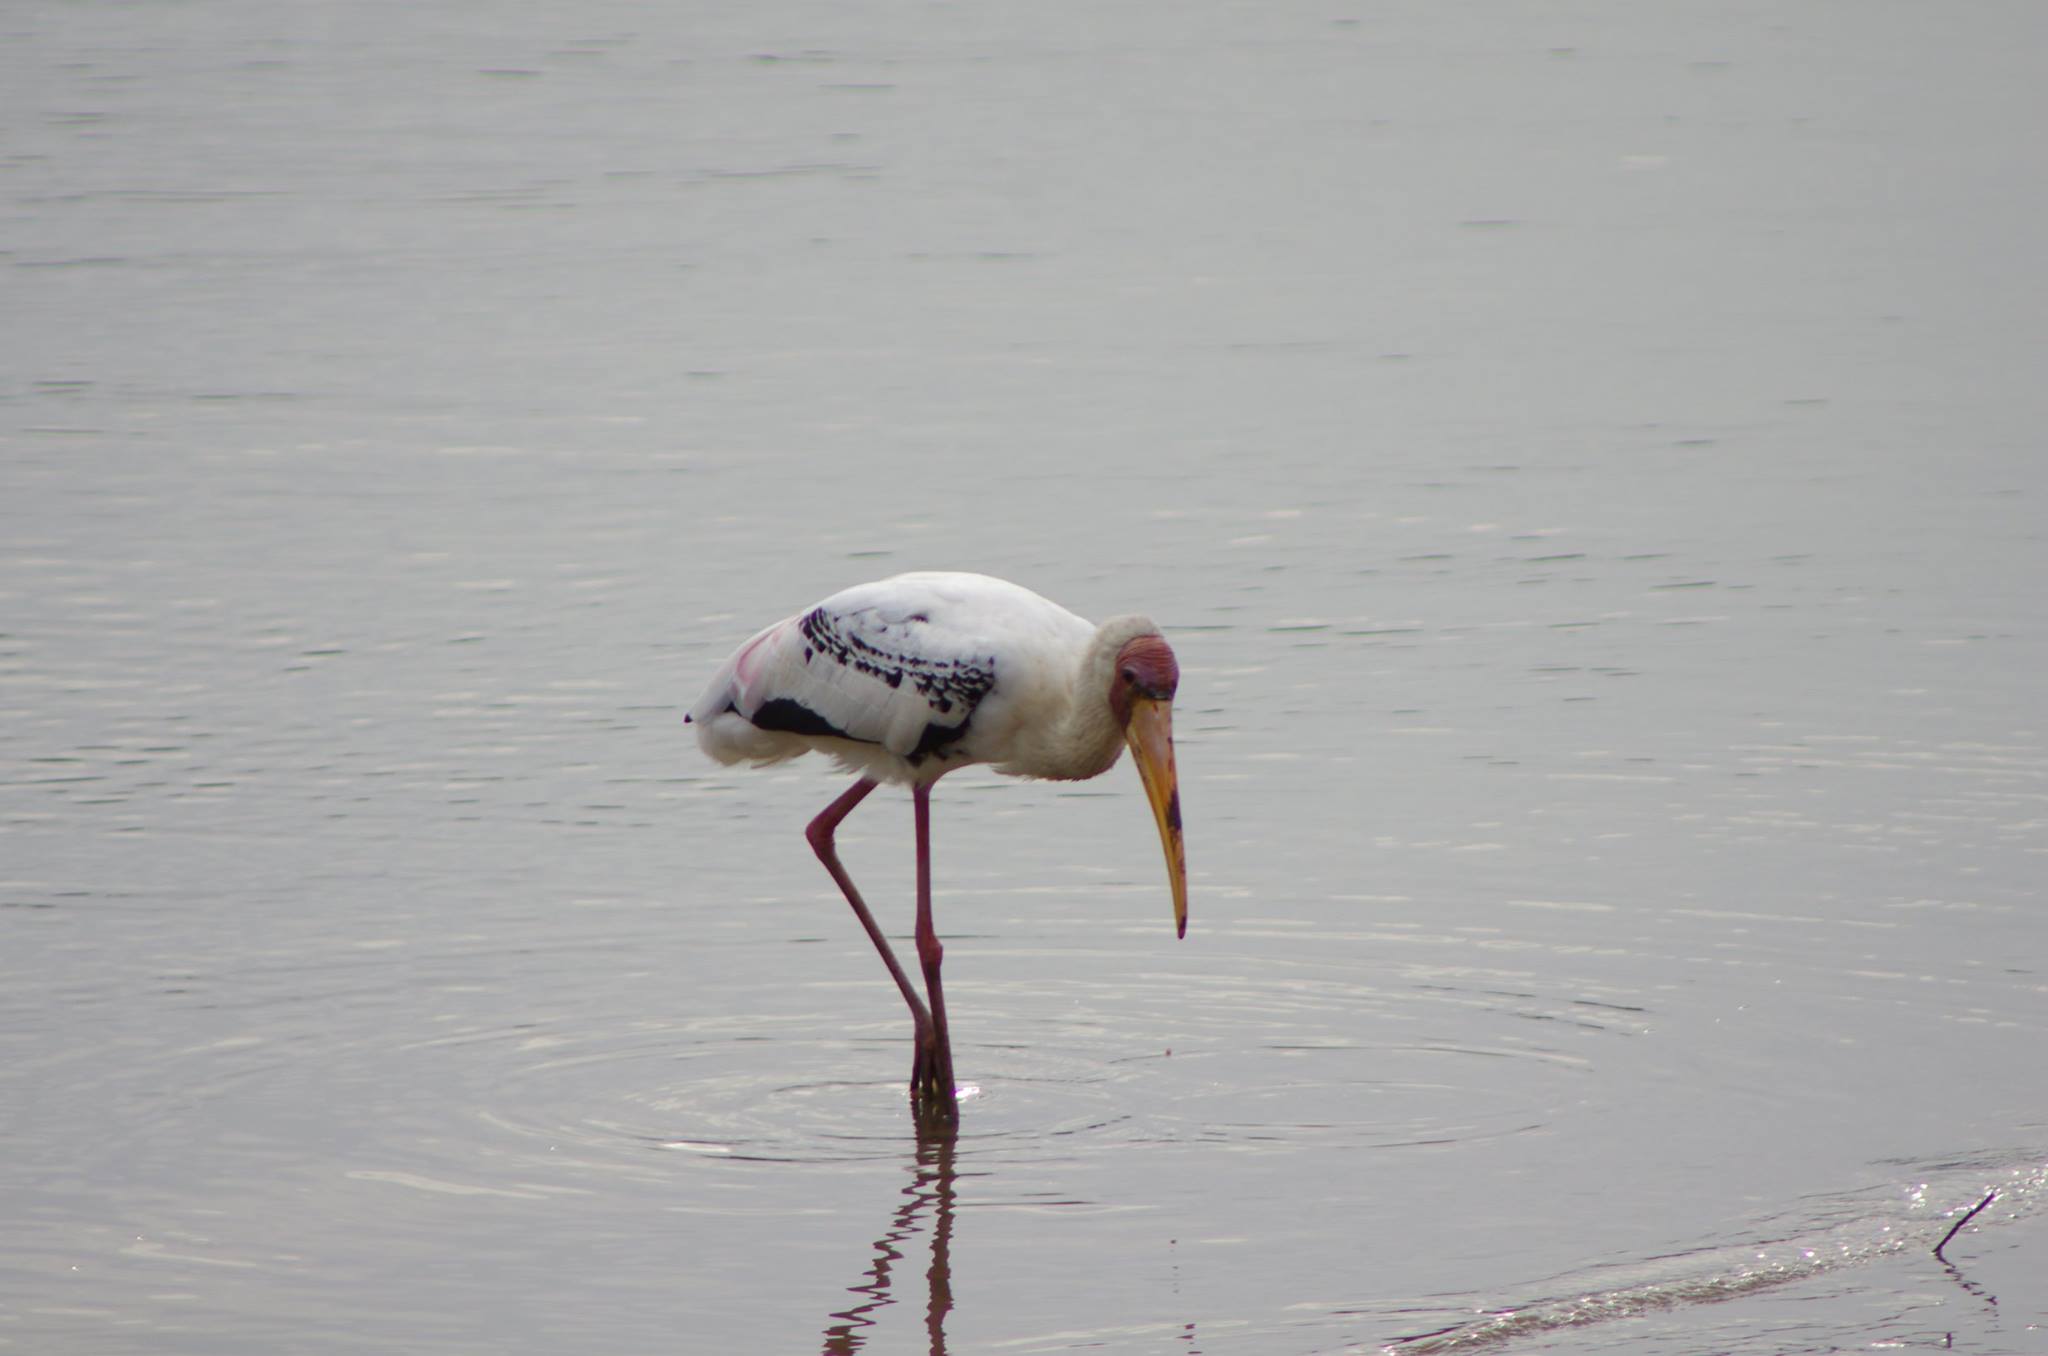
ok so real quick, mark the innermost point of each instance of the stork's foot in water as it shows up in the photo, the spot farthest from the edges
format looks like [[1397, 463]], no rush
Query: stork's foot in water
[[933, 1094]]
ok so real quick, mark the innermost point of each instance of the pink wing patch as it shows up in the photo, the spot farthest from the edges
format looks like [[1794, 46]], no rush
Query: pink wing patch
[[747, 663]]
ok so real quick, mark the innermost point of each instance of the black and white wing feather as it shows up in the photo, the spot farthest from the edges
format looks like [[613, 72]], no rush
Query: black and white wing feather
[[887, 677]]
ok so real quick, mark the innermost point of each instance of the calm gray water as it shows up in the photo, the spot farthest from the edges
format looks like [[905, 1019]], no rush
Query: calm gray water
[[1587, 458]]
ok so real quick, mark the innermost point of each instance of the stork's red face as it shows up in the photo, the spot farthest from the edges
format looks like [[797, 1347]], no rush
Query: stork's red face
[[1141, 695], [1144, 668]]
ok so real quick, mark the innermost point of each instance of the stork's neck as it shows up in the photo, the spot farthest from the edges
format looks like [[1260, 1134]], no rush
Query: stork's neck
[[1085, 738]]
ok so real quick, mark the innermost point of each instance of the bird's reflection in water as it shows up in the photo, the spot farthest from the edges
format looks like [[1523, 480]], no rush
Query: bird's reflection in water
[[931, 1187]]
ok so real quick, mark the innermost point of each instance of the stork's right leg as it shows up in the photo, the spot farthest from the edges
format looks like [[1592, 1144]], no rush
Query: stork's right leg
[[934, 1092], [820, 835]]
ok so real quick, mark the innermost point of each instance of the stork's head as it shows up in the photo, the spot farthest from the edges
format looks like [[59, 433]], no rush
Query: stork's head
[[1141, 692]]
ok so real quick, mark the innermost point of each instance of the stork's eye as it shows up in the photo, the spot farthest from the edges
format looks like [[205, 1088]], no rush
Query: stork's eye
[[1128, 675]]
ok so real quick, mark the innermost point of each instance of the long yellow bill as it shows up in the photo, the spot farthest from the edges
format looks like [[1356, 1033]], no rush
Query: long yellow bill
[[1150, 735]]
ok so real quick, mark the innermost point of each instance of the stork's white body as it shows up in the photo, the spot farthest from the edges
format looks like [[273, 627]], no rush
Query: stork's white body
[[908, 678]]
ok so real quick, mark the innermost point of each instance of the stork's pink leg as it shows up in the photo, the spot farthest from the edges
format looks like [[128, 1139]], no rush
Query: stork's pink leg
[[936, 1096], [820, 835]]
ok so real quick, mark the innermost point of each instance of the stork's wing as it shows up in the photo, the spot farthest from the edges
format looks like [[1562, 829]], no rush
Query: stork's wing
[[874, 665]]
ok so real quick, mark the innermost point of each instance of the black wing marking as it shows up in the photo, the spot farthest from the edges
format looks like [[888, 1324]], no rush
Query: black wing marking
[[793, 717], [944, 683], [867, 644]]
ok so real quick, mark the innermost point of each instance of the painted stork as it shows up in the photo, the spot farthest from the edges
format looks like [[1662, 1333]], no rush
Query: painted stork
[[908, 678]]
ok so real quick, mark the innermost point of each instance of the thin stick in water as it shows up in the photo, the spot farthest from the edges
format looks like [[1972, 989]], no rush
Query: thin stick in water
[[1957, 1227]]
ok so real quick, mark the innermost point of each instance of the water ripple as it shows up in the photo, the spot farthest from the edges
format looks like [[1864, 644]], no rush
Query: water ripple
[[1918, 1218]]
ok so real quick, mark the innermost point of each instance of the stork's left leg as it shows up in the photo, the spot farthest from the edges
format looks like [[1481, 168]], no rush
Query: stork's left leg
[[820, 833], [931, 1081]]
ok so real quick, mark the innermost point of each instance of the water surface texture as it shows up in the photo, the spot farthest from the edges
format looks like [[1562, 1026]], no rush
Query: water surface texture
[[1588, 460]]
